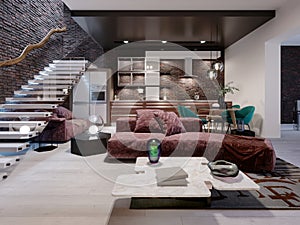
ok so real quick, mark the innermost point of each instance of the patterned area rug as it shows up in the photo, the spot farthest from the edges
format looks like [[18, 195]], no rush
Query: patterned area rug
[[278, 190]]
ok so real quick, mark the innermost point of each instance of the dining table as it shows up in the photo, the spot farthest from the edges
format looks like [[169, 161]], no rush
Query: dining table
[[215, 115]]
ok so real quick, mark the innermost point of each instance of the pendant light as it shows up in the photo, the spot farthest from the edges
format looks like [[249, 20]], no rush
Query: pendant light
[[218, 64], [211, 73]]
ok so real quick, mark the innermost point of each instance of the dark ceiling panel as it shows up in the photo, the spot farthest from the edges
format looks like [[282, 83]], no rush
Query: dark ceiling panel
[[219, 28]]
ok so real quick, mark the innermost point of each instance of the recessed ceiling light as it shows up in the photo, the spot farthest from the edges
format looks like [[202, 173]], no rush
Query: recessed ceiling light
[[125, 41], [202, 42], [164, 42]]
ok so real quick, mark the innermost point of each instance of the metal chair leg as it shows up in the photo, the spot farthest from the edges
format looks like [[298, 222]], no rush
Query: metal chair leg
[[228, 128], [248, 126]]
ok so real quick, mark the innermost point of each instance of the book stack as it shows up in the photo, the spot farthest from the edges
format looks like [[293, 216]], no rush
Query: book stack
[[171, 176]]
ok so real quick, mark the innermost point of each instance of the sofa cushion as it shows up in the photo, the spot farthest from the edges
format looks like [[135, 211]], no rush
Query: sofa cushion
[[130, 145], [147, 122], [63, 112], [170, 123]]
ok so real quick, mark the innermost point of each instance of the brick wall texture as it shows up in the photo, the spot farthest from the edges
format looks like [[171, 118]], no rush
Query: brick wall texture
[[174, 87], [290, 82], [24, 22]]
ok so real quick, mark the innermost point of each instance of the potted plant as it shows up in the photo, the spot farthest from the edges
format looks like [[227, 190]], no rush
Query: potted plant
[[228, 88]]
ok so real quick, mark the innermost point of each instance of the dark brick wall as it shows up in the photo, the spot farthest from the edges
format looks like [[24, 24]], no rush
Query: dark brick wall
[[290, 81], [24, 22]]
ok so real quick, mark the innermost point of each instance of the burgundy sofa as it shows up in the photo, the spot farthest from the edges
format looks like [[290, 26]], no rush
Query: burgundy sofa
[[251, 154], [62, 126]]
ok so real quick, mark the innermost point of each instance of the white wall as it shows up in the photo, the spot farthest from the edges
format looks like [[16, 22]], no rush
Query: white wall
[[253, 63]]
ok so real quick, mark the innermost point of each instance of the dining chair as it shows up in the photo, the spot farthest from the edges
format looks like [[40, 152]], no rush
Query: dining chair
[[245, 115]]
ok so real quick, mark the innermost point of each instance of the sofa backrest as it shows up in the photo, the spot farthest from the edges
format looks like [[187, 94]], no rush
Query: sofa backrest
[[127, 124]]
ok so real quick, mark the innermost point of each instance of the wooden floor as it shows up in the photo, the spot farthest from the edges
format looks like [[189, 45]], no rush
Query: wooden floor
[[58, 187]]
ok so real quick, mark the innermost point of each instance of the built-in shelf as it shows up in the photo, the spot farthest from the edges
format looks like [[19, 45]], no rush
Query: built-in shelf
[[140, 72], [135, 71]]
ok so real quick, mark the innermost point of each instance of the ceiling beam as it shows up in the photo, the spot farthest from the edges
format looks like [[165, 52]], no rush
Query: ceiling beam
[[143, 13]]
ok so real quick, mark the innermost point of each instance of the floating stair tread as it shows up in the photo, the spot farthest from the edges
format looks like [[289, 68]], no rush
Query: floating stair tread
[[58, 77], [13, 159], [60, 73], [66, 65], [3, 176], [17, 135], [29, 106], [34, 100], [70, 61], [65, 68], [13, 147], [25, 114], [51, 82], [28, 92], [6, 162], [45, 87], [21, 123]]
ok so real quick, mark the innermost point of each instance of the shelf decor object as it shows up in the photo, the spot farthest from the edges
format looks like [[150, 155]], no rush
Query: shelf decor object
[[97, 124], [153, 150]]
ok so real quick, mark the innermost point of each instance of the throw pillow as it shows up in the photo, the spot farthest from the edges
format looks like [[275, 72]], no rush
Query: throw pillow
[[63, 112], [170, 123], [146, 122]]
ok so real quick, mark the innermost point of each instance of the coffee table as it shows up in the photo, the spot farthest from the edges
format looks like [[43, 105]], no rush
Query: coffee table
[[143, 185]]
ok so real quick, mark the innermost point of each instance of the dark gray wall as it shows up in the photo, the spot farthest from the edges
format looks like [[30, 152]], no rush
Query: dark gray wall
[[290, 81]]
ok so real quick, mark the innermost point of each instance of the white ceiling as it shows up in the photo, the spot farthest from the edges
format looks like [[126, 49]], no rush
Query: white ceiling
[[174, 4]]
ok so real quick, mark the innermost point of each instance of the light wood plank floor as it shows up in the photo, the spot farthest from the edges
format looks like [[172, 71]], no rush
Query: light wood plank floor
[[58, 187]]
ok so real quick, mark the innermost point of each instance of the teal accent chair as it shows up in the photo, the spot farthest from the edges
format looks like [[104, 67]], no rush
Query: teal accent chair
[[245, 114], [236, 106], [185, 112]]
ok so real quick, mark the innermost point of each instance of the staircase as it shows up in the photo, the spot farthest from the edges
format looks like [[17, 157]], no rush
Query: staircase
[[37, 99]]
